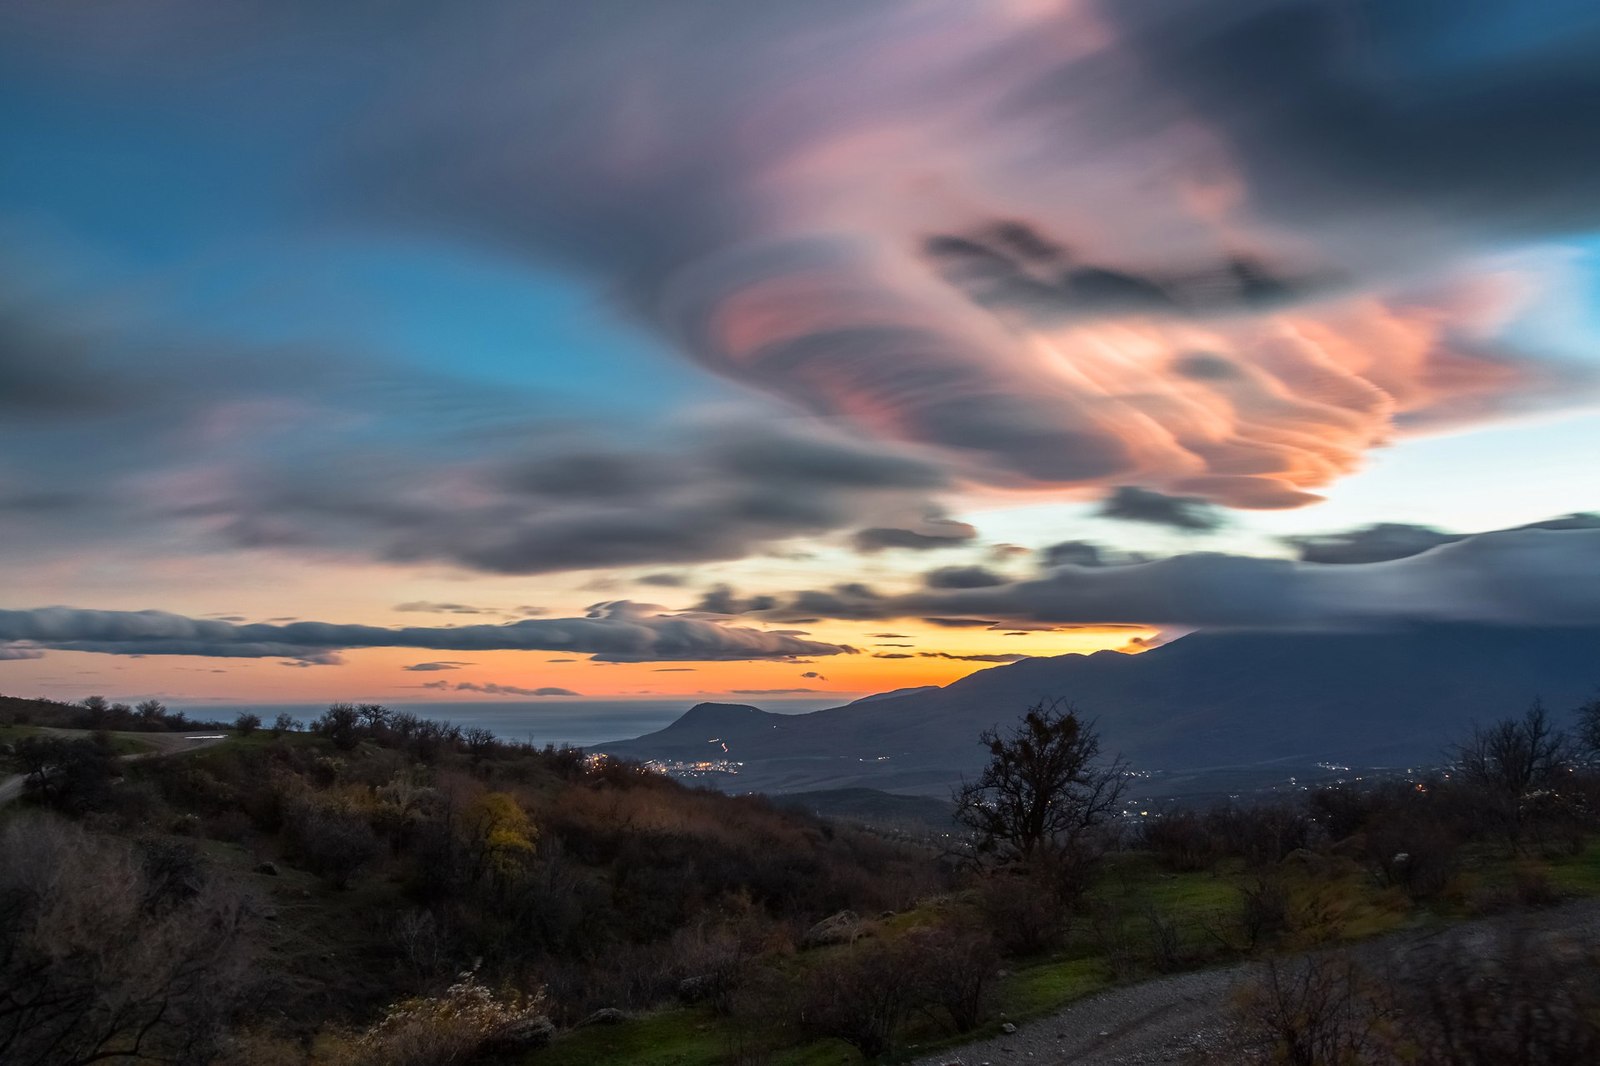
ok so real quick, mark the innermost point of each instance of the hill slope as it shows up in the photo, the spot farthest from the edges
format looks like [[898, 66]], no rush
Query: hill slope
[[1205, 701]]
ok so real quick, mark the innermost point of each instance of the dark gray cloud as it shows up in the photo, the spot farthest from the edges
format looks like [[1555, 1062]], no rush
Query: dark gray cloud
[[1334, 115], [12, 653], [274, 451], [1529, 576], [962, 577], [813, 675], [995, 657], [1547, 573], [933, 533], [1370, 544], [1073, 553], [772, 691], [1012, 267], [491, 688], [664, 580], [1129, 503], [432, 667], [611, 632], [1398, 540]]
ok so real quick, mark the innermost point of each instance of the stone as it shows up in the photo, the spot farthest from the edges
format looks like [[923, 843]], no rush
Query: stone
[[841, 928], [604, 1016], [525, 1034], [1008, 1028], [268, 868]]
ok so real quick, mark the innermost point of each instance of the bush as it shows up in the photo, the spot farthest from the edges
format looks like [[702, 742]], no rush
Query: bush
[[863, 996], [247, 723], [107, 951], [1024, 916], [334, 845], [458, 1026]]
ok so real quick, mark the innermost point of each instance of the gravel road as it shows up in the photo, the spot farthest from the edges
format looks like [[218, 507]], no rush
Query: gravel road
[[1170, 1019]]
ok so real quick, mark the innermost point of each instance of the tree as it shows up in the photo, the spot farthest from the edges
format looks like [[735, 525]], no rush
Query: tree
[[1516, 767], [152, 713], [1039, 803], [284, 723], [499, 835], [340, 724], [1589, 726], [247, 723]]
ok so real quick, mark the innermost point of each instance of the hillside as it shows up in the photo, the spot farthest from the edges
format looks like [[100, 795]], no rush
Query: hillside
[[1208, 701]]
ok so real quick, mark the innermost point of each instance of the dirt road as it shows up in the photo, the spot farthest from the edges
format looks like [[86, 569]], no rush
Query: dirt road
[[1174, 1019], [161, 743]]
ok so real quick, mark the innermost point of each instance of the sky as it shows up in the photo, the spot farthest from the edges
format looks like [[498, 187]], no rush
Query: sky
[[743, 350]]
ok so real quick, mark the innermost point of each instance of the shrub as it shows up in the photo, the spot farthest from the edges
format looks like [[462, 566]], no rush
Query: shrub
[[334, 845], [247, 723], [463, 1023]]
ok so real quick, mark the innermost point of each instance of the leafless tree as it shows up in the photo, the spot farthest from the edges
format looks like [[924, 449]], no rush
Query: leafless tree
[[1043, 798], [1517, 767]]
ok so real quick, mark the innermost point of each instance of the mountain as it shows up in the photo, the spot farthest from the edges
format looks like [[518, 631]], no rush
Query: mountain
[[1207, 702]]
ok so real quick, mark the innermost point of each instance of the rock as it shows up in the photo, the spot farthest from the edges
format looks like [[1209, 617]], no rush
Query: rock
[[268, 868], [1008, 1028], [885, 916], [841, 928], [525, 1035], [699, 988], [604, 1016]]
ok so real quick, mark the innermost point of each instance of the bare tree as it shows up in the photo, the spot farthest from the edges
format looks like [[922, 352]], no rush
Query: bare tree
[[1040, 802], [103, 957], [1517, 767], [1589, 726]]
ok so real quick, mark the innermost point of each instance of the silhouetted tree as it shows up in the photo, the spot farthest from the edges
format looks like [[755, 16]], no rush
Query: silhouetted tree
[[284, 723], [1041, 800], [152, 713], [340, 724], [1516, 767], [1589, 726], [247, 723]]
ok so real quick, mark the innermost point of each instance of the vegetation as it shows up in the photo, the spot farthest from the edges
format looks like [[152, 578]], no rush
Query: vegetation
[[381, 888]]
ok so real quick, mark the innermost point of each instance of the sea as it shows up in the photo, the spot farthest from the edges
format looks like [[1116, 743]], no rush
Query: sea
[[579, 723]]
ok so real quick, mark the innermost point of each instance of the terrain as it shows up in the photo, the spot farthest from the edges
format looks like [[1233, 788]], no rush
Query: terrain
[[1212, 712]]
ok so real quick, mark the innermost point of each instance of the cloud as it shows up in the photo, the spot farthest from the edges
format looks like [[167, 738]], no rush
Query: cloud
[[429, 607], [812, 674], [1545, 574], [895, 250], [1073, 553], [1133, 504], [266, 451], [611, 632], [1370, 544], [674, 670], [997, 657], [1397, 540], [423, 668], [1530, 576], [933, 533], [772, 691], [12, 653], [962, 577], [664, 580], [494, 689]]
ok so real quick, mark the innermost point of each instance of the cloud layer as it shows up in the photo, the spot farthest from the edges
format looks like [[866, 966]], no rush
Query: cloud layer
[[612, 632]]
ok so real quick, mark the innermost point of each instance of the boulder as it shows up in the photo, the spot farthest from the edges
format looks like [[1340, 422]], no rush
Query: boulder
[[604, 1016], [842, 928], [268, 868], [525, 1035]]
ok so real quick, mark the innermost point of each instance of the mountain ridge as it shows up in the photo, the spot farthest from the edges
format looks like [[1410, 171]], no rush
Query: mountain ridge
[[1208, 700]]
